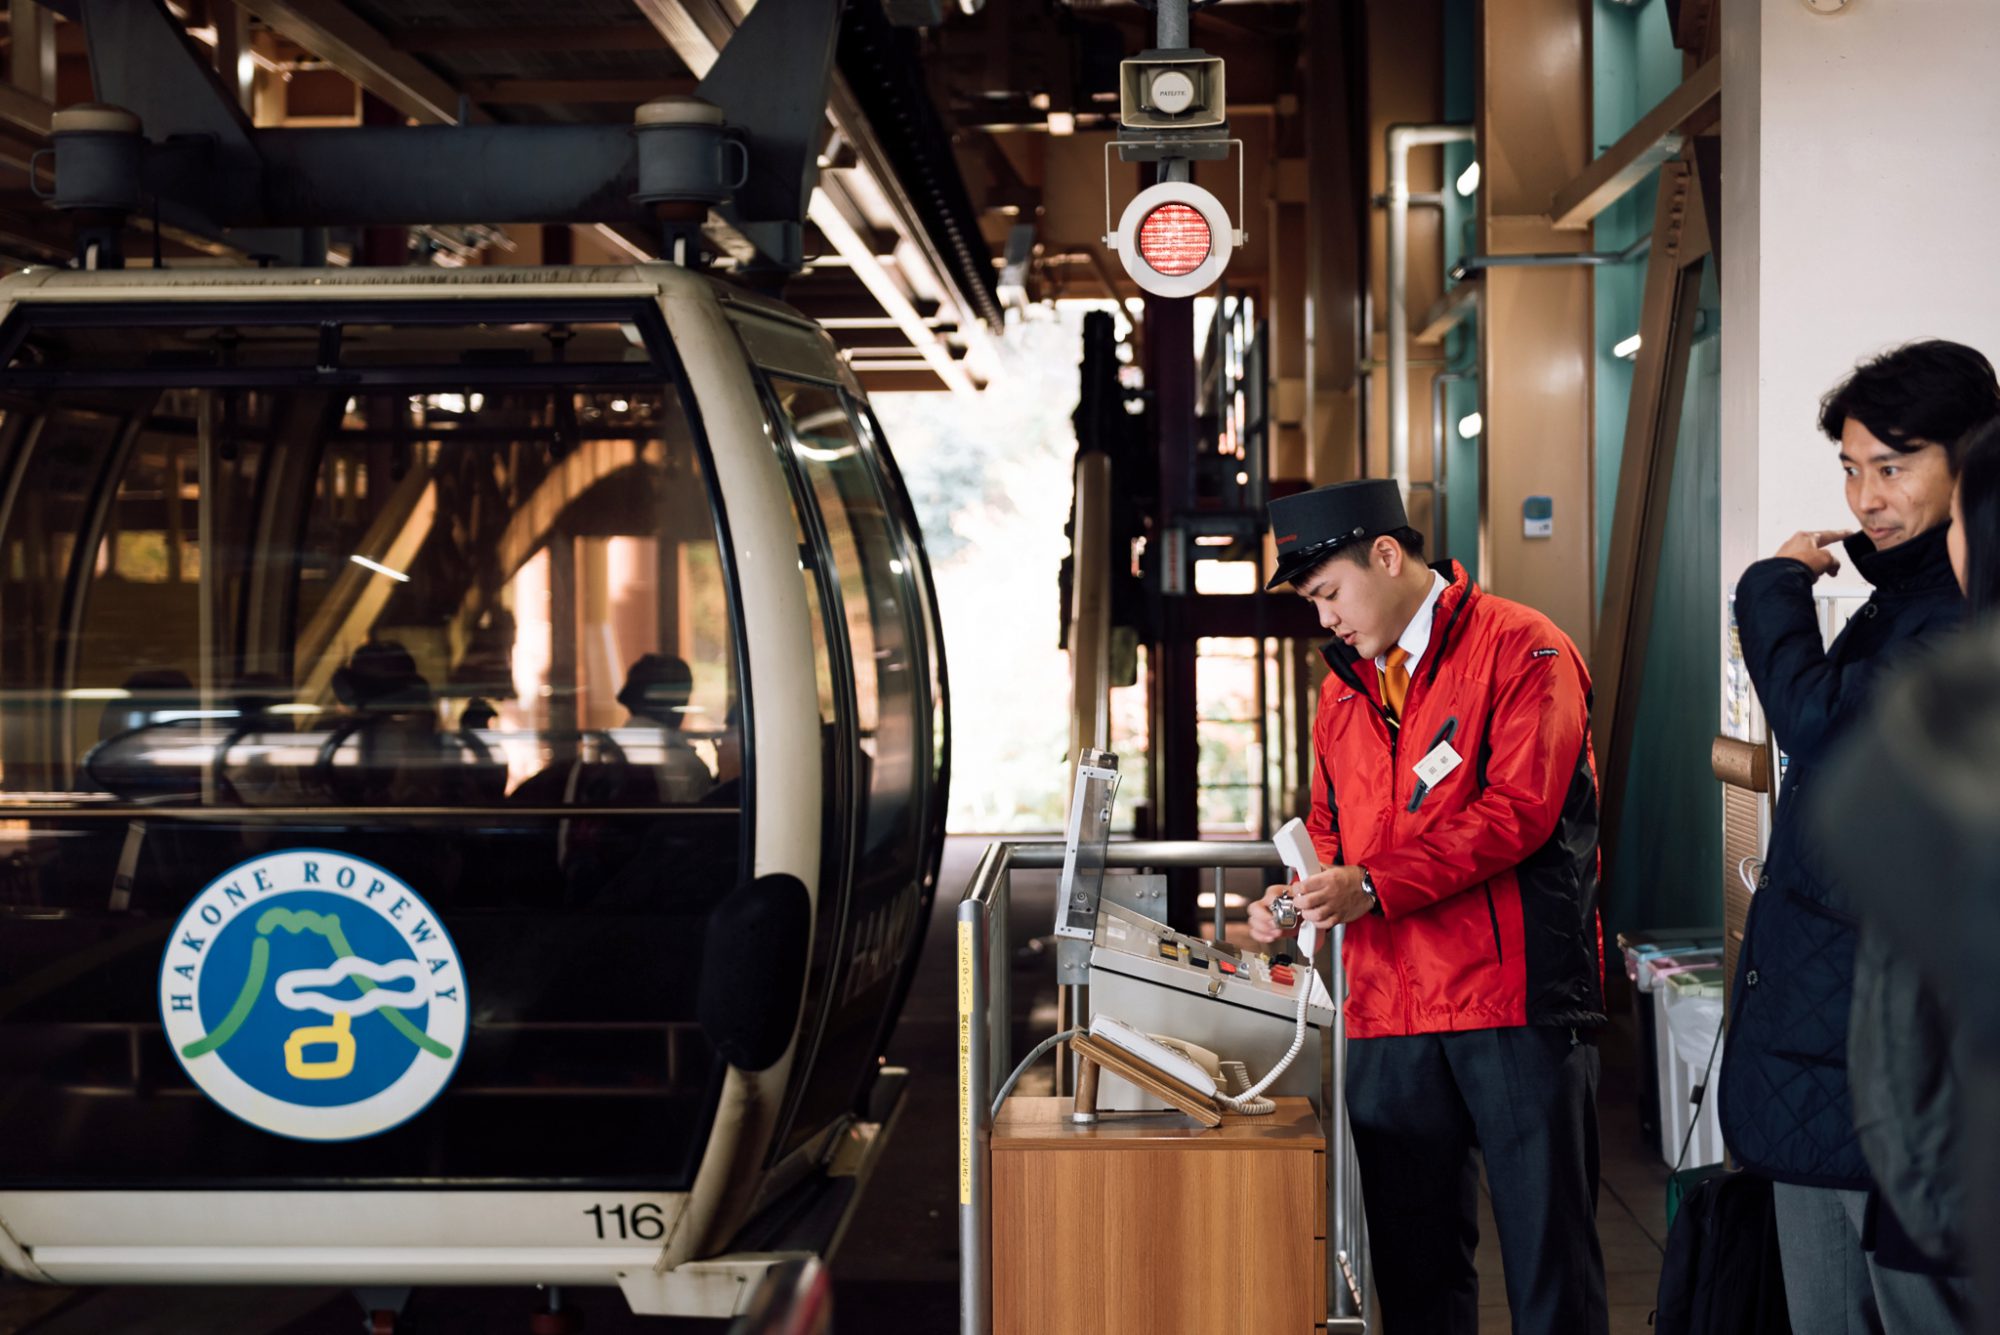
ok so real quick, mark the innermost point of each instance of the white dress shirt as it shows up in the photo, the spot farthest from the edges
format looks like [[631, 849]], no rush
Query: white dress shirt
[[1416, 636]]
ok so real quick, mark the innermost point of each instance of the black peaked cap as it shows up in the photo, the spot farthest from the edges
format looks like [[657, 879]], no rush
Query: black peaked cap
[[1313, 525]]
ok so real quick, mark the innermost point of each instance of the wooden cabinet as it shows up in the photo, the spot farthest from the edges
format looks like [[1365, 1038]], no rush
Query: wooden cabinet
[[1150, 1225]]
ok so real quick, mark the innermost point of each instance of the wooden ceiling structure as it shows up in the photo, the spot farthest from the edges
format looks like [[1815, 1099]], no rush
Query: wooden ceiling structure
[[963, 169]]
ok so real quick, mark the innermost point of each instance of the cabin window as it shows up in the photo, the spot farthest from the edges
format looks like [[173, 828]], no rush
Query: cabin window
[[449, 596]]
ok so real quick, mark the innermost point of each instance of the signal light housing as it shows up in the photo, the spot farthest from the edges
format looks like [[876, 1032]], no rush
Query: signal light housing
[[1174, 239]]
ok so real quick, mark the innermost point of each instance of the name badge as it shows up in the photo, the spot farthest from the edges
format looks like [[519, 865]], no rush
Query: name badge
[[1433, 768]]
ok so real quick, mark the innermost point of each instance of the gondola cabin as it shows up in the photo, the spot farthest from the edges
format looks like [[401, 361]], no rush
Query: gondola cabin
[[472, 762]]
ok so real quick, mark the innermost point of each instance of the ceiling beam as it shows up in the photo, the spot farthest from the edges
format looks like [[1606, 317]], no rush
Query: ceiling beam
[[677, 27], [334, 32], [556, 37], [524, 92], [901, 382], [699, 51], [886, 290], [1658, 136]]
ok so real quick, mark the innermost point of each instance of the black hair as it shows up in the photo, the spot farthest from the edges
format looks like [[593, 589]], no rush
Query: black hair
[[1925, 393], [658, 687], [1979, 508], [1412, 543]]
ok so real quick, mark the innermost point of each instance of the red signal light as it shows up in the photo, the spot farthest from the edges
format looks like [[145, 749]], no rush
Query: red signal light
[[1174, 240]]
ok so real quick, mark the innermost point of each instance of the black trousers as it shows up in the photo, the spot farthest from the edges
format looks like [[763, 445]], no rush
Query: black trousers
[[1527, 1100]]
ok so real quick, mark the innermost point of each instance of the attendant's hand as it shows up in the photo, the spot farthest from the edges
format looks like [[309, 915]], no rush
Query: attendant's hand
[[1264, 927], [1809, 550], [1332, 897]]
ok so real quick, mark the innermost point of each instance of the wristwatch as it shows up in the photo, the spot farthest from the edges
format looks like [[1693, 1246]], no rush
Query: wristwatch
[[1368, 889]]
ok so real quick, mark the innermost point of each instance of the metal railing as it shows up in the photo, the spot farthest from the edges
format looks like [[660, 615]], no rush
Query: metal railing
[[985, 1058]]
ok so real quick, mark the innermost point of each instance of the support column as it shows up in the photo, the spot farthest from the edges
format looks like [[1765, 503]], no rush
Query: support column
[[1291, 244], [1536, 335], [233, 63], [31, 49], [1406, 87], [1176, 754], [1335, 177], [382, 247]]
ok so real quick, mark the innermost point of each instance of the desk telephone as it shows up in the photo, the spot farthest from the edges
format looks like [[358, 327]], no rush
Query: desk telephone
[[1202, 1070]]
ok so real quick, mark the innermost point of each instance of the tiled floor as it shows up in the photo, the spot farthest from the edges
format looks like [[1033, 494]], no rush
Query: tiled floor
[[1631, 1209]]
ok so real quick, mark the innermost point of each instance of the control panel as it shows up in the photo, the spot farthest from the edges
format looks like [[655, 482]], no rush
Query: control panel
[[1137, 947]]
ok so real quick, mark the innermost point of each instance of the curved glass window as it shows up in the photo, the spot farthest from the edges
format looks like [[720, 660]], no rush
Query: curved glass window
[[446, 597], [872, 602]]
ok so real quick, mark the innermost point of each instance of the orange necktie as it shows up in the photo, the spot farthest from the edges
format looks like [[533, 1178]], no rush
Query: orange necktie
[[1396, 679]]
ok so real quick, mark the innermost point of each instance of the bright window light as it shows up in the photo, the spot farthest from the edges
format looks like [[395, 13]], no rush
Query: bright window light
[[1470, 425], [1225, 577], [380, 569], [1468, 180], [1627, 348]]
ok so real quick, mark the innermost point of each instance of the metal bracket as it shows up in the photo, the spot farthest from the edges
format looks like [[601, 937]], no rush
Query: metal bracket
[[1111, 233]]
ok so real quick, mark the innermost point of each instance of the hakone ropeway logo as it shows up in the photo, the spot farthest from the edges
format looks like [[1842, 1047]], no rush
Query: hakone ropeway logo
[[314, 995]]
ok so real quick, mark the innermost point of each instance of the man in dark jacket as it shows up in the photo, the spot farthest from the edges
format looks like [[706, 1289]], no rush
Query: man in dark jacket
[[1786, 1109], [1455, 807]]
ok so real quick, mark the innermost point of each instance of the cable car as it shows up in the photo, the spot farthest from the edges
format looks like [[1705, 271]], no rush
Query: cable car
[[472, 770]]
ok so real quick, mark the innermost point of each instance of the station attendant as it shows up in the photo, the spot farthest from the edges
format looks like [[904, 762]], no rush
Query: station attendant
[[1455, 809]]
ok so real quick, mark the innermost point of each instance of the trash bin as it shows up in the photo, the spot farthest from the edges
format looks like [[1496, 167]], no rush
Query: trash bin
[[1687, 999], [1642, 946]]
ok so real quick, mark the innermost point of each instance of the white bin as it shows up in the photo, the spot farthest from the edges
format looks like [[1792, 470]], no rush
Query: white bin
[[1687, 1010]]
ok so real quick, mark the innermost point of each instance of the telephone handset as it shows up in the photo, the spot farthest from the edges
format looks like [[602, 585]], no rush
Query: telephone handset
[[1190, 1063], [1295, 846]]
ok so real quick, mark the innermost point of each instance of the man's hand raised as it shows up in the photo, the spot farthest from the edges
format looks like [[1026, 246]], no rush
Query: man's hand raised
[[1809, 549]]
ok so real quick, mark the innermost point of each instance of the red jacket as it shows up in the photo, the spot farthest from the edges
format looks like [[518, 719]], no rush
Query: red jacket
[[1488, 882]]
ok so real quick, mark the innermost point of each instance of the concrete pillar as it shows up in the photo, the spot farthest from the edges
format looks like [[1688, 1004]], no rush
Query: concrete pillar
[[1536, 332], [1857, 159]]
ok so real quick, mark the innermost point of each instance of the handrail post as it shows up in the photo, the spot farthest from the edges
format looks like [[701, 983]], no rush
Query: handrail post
[[975, 1119]]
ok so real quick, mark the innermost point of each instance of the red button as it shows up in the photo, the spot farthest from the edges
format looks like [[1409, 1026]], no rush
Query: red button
[[1225, 966], [1280, 974]]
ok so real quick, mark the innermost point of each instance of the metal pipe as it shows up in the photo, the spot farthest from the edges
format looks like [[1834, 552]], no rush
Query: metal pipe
[[1343, 1231], [1401, 139], [1440, 490], [1219, 927], [1171, 18], [975, 1094], [1560, 259], [1069, 1000], [1167, 854]]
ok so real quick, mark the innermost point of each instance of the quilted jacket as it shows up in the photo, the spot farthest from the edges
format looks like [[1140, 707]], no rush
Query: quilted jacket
[[1786, 1110], [1488, 879]]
